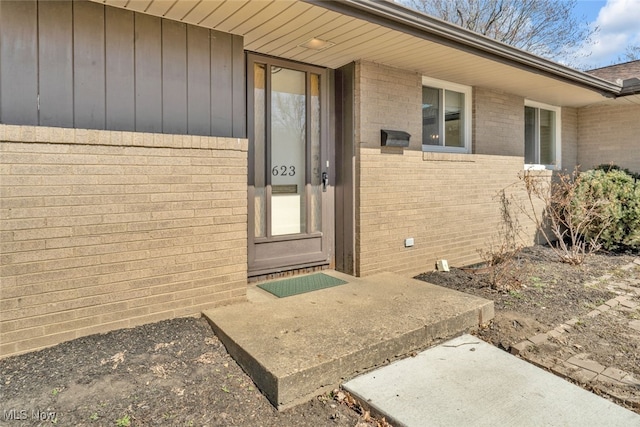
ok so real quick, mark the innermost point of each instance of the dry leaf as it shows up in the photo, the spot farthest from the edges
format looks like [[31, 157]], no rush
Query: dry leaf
[[159, 371], [206, 358], [163, 345]]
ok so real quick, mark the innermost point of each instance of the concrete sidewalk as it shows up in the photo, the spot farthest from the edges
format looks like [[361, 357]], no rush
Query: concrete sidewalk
[[467, 382]]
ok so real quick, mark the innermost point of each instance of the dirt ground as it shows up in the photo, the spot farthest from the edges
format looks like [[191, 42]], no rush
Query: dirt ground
[[171, 373], [548, 294], [177, 373]]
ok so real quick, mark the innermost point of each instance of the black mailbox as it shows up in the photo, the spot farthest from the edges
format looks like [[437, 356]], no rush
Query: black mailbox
[[394, 138]]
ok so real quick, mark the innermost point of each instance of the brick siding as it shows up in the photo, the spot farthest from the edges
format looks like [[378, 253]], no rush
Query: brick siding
[[387, 98], [498, 123], [447, 202], [103, 230], [609, 134], [569, 135]]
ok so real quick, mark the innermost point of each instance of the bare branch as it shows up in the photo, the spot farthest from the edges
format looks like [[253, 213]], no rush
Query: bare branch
[[544, 27], [562, 223]]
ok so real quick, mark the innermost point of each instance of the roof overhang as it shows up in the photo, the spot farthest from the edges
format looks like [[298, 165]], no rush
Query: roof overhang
[[630, 87], [385, 33], [622, 101]]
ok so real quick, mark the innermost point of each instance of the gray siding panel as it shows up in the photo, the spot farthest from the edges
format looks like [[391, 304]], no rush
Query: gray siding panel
[[221, 83], [120, 78], [19, 63], [239, 110], [88, 65], [55, 20], [98, 67], [174, 77], [198, 81], [148, 73]]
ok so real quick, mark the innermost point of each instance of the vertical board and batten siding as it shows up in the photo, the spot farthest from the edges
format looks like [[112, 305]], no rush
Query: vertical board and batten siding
[[199, 78], [55, 63], [85, 65], [148, 73], [18, 57], [120, 101], [89, 65], [174, 77]]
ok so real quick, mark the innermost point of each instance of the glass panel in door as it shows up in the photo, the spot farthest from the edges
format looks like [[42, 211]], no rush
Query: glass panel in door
[[288, 151], [259, 147]]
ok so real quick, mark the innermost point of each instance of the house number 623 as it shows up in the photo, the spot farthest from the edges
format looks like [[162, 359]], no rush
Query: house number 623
[[283, 171]]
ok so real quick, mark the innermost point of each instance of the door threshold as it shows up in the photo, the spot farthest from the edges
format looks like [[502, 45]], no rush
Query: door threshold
[[271, 275]]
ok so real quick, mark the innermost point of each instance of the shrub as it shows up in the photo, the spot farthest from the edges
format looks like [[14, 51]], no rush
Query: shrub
[[617, 227], [606, 167], [564, 219]]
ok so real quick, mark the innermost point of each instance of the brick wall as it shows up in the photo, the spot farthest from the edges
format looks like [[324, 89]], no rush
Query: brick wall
[[387, 98], [498, 126], [103, 230], [447, 202], [498, 123], [609, 134], [569, 135]]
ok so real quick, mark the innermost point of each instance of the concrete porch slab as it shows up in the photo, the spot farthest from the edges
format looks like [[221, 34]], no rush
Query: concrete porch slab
[[298, 347]]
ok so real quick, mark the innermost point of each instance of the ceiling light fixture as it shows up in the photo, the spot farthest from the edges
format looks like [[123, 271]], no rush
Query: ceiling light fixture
[[316, 44]]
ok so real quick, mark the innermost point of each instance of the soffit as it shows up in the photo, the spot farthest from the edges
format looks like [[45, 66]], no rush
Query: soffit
[[278, 27], [623, 101]]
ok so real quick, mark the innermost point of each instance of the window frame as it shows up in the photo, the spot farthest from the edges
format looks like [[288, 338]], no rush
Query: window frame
[[557, 131], [468, 113]]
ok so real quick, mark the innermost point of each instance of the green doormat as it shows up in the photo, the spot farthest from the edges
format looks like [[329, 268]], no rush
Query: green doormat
[[300, 285]]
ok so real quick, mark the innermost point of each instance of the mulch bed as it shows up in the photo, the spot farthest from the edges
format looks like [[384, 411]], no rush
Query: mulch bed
[[177, 372], [174, 372], [546, 293]]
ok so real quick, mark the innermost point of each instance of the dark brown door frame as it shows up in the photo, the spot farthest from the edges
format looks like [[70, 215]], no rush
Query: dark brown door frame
[[289, 252], [345, 167]]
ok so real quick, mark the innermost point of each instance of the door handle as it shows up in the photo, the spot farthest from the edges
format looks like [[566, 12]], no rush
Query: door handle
[[325, 181]]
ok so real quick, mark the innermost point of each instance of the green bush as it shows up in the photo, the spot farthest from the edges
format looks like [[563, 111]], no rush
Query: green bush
[[611, 167], [614, 196]]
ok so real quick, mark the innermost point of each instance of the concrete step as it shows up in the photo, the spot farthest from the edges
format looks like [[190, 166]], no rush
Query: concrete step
[[298, 347]]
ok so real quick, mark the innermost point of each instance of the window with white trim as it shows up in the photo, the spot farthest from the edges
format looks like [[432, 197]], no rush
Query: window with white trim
[[446, 116], [542, 125]]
